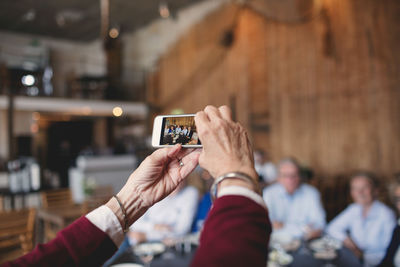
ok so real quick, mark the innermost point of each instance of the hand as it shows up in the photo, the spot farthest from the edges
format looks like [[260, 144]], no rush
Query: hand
[[139, 237], [157, 176], [277, 225], [226, 147], [349, 243], [312, 234]]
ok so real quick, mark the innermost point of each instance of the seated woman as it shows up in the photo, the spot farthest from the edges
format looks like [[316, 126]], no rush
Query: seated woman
[[171, 217], [365, 227], [392, 257]]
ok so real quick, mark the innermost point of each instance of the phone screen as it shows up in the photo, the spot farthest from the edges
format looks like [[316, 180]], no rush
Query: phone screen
[[179, 130]]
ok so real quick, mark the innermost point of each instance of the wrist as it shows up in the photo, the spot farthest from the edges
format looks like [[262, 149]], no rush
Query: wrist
[[234, 182], [132, 205], [250, 171], [113, 205], [234, 179]]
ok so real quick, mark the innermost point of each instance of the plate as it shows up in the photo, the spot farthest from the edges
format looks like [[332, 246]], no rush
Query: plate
[[323, 244], [127, 265], [149, 248], [280, 257], [325, 255]]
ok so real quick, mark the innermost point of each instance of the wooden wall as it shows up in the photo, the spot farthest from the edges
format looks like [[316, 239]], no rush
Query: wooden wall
[[326, 91]]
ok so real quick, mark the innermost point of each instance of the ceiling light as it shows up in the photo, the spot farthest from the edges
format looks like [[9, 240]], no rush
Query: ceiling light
[[113, 33], [29, 16], [117, 111], [28, 80]]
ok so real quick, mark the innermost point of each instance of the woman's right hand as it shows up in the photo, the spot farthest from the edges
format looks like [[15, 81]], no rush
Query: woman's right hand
[[226, 147]]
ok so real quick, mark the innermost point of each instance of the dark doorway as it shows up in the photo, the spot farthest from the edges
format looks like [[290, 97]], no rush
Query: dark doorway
[[65, 141], [24, 146]]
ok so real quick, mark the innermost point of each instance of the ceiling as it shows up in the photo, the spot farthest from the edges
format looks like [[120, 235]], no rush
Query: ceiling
[[79, 20]]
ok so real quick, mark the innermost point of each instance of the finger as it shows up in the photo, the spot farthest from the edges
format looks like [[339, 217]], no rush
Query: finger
[[190, 162], [165, 154], [213, 113], [174, 151], [184, 152], [201, 119], [225, 112]]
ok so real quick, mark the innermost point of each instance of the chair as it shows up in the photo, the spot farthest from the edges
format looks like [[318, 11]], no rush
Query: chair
[[101, 195], [59, 198], [16, 233]]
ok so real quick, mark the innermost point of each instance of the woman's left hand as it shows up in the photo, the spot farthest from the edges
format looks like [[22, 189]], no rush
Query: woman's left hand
[[156, 177]]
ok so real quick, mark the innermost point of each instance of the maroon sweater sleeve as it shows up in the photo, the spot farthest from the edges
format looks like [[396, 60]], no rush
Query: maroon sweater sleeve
[[236, 233], [80, 244]]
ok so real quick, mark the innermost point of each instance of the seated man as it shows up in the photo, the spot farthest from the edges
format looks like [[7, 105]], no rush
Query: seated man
[[294, 208], [366, 226], [171, 217]]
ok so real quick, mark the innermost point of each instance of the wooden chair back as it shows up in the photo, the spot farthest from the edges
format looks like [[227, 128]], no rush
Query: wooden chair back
[[101, 195], [57, 198], [16, 233]]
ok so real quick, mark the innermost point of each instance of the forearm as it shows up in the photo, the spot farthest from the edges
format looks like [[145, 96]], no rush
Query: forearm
[[80, 244], [236, 233]]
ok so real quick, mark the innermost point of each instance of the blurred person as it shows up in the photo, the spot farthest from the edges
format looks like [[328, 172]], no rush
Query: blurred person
[[264, 167], [169, 218], [194, 140], [365, 227], [294, 207], [172, 130], [185, 130], [178, 129], [189, 133], [166, 130], [238, 205], [392, 256]]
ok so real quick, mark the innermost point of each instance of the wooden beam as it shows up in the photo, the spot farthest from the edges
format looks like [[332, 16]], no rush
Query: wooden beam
[[105, 17], [286, 10]]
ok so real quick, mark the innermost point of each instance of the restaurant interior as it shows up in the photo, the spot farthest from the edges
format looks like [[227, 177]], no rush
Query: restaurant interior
[[82, 81]]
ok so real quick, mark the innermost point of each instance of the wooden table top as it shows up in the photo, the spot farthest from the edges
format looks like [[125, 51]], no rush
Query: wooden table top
[[60, 215]]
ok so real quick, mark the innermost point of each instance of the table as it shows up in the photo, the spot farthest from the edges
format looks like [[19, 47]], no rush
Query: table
[[179, 260], [59, 216], [304, 257]]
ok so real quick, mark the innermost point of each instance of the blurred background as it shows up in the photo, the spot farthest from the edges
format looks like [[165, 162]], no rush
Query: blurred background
[[81, 81]]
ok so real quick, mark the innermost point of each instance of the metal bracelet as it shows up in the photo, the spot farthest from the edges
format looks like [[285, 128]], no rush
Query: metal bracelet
[[125, 229], [230, 175]]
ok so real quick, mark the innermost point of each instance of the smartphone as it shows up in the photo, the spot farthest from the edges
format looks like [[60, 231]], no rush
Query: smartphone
[[169, 130]]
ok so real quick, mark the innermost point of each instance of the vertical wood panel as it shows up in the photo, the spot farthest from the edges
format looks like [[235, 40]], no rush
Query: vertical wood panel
[[329, 88]]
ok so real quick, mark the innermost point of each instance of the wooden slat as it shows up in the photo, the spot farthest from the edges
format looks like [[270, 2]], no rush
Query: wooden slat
[[57, 198], [16, 233]]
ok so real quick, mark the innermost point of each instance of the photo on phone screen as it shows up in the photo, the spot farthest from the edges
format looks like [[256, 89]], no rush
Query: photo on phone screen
[[179, 130]]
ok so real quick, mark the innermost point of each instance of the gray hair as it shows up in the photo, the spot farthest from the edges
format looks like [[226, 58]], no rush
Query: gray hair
[[369, 176], [289, 160]]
